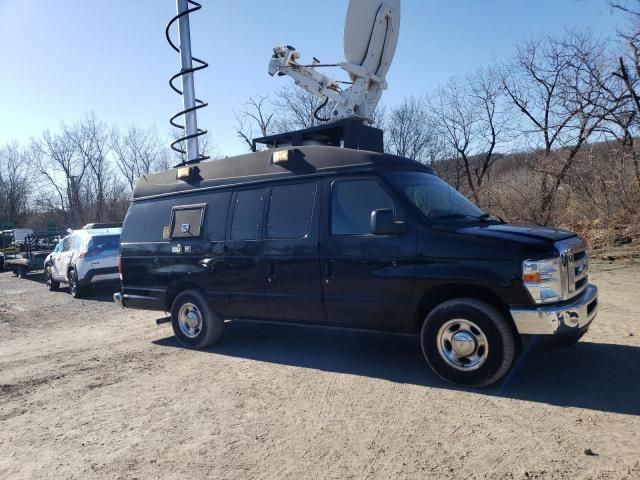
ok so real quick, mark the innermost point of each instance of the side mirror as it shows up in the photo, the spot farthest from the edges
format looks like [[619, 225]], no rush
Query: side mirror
[[383, 223]]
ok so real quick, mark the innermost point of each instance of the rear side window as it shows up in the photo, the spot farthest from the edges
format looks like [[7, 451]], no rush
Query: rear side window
[[76, 243], [352, 202], [186, 221], [290, 210], [216, 217], [247, 214], [103, 243]]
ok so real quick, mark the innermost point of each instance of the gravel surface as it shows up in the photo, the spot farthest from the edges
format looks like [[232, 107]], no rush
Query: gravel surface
[[88, 390]]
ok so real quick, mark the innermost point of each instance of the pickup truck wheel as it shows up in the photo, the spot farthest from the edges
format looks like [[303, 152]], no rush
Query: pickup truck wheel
[[52, 285], [75, 289], [194, 322], [468, 342]]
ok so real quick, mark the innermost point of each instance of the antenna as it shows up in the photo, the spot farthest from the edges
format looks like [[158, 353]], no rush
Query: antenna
[[190, 103], [370, 39]]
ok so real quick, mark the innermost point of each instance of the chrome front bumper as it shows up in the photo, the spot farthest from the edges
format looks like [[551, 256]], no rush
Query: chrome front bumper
[[117, 297], [573, 316]]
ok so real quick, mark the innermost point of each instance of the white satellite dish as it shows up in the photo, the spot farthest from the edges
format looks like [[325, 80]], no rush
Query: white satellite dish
[[359, 26], [370, 39]]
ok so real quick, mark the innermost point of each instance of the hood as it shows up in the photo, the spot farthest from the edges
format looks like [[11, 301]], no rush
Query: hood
[[534, 231], [520, 233]]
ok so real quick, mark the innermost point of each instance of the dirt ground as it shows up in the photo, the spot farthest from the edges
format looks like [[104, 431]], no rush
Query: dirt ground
[[88, 390]]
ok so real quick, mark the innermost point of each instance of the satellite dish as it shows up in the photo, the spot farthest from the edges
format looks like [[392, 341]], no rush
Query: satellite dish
[[362, 16]]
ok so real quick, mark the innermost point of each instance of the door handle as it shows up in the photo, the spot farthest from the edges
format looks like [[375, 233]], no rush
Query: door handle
[[272, 271], [329, 271]]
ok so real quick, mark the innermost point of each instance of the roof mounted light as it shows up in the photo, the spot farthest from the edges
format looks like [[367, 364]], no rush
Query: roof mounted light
[[281, 156]]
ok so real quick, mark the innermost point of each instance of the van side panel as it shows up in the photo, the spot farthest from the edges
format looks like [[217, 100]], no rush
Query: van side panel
[[155, 265]]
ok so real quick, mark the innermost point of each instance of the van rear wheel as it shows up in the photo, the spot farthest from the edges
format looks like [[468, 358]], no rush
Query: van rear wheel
[[194, 322], [468, 342]]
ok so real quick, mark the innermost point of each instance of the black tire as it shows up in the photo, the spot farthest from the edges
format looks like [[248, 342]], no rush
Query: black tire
[[485, 325], [22, 272], [52, 285], [209, 324], [75, 289]]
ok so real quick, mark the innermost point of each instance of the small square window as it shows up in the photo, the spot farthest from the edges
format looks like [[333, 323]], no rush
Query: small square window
[[186, 221]]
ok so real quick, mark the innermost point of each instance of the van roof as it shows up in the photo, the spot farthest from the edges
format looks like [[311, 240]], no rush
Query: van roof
[[256, 167]]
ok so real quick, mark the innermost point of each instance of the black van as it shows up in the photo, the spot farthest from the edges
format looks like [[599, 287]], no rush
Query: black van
[[334, 236]]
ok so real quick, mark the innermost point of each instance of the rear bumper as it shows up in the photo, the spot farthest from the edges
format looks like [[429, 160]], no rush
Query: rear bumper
[[98, 275], [567, 319], [140, 302]]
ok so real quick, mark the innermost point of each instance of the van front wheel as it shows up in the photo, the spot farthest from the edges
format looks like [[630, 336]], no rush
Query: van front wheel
[[194, 322], [468, 342]]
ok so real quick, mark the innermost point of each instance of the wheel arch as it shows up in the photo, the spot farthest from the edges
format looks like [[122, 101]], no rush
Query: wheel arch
[[437, 295], [178, 287]]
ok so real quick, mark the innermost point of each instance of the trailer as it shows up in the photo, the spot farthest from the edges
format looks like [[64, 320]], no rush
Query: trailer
[[22, 257]]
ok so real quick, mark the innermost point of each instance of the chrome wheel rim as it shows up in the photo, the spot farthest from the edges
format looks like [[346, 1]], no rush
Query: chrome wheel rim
[[462, 344], [190, 320], [47, 276], [73, 285]]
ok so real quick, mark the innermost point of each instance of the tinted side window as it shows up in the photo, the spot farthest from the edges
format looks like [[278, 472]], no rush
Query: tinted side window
[[352, 202], [290, 210], [247, 214], [218, 204], [66, 244], [76, 243]]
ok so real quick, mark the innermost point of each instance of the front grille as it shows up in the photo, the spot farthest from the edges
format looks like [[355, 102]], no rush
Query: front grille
[[575, 266]]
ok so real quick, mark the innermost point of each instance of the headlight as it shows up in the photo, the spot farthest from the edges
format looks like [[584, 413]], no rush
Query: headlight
[[543, 279]]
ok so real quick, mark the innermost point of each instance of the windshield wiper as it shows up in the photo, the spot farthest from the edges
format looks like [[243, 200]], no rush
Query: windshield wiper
[[454, 216], [457, 216], [487, 216]]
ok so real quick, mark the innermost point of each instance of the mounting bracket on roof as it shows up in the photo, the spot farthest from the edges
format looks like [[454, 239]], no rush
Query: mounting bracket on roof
[[347, 133]]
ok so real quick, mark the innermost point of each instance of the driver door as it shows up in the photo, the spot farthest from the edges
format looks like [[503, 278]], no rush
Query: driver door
[[61, 260], [367, 279]]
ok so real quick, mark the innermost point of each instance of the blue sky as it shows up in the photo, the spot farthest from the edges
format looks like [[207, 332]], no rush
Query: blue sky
[[61, 59]]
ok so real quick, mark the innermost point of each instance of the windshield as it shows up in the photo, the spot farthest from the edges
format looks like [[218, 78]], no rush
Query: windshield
[[435, 198]]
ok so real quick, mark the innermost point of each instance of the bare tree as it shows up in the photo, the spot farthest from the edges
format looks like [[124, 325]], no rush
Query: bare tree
[[627, 116], [62, 172], [137, 152], [474, 123], [255, 117], [91, 141], [410, 131], [15, 183], [551, 83]]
